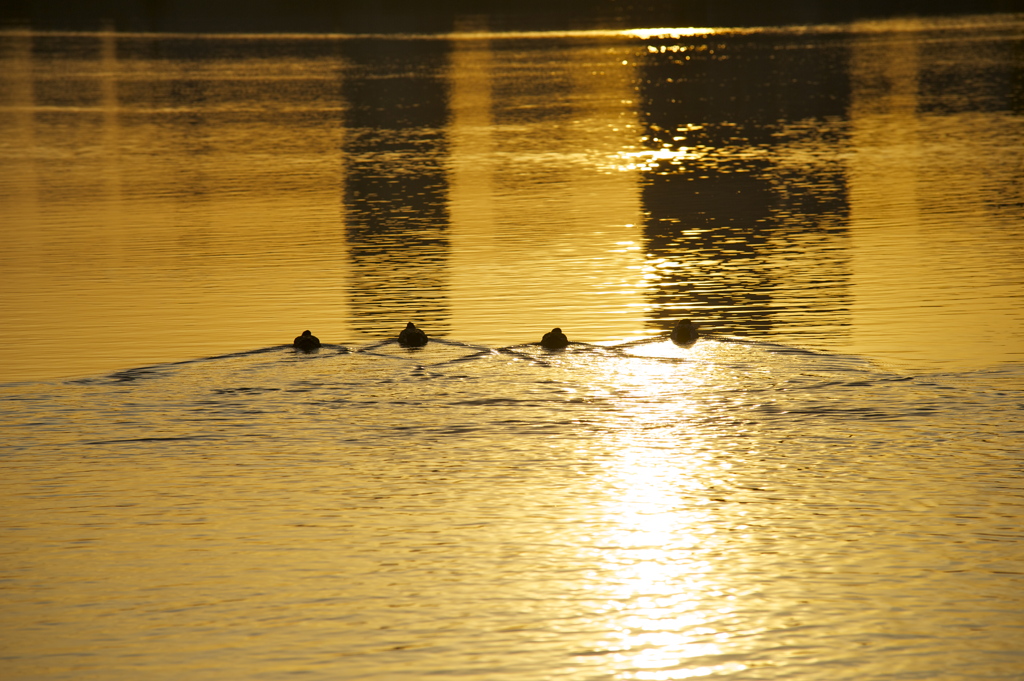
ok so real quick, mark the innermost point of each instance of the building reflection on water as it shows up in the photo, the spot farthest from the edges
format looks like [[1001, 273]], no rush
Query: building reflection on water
[[716, 191], [741, 152], [735, 175], [395, 194]]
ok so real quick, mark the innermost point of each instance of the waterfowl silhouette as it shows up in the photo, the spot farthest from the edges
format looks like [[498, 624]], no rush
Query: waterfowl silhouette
[[685, 332], [411, 337], [554, 340], [307, 342]]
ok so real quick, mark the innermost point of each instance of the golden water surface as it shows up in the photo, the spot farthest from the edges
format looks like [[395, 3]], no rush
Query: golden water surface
[[826, 485], [172, 197]]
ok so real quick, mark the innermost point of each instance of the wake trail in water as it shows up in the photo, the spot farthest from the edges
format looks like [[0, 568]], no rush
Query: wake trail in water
[[660, 350]]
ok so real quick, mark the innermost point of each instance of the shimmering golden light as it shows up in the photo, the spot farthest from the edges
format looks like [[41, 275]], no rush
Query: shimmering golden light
[[648, 33], [658, 580], [649, 159]]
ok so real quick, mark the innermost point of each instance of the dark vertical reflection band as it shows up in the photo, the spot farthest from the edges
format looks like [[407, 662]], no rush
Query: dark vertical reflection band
[[395, 183]]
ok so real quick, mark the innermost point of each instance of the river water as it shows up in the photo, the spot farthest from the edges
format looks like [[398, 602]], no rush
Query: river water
[[826, 485]]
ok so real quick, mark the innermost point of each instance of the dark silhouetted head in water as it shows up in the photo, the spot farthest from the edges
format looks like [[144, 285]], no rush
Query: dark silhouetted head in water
[[307, 342], [685, 332], [411, 337], [554, 340]]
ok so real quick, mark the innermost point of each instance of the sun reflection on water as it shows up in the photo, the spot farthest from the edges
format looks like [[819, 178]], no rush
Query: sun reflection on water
[[649, 159], [664, 595]]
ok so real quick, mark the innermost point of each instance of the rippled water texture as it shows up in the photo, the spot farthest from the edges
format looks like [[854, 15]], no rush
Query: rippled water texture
[[653, 512], [826, 485]]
